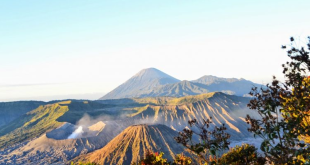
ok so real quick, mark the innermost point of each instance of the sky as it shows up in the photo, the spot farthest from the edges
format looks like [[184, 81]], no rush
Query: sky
[[84, 49]]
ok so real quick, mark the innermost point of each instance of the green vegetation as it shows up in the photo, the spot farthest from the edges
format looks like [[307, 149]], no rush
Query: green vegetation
[[244, 154], [138, 110], [239, 155], [33, 124], [284, 125], [284, 108], [155, 158], [10, 111], [211, 142], [182, 160], [81, 163], [152, 158]]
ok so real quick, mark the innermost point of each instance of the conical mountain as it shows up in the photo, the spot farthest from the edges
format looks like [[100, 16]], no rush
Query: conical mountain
[[130, 145], [143, 81]]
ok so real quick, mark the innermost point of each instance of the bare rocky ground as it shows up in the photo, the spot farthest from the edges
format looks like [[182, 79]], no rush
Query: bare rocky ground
[[54, 147]]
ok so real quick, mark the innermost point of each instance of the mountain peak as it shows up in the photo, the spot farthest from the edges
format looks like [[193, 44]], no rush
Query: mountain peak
[[128, 147], [151, 73], [144, 80]]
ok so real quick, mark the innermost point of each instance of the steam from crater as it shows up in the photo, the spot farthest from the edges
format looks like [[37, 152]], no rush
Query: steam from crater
[[76, 133]]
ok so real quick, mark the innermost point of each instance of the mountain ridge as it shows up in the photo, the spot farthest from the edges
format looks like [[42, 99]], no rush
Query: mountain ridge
[[152, 82]]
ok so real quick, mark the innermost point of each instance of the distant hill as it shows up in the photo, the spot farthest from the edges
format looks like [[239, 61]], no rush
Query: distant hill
[[32, 124], [154, 83], [130, 145], [145, 80], [9, 111], [239, 87]]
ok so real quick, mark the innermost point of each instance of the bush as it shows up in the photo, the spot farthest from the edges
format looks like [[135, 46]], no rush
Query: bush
[[153, 158], [244, 154], [181, 159]]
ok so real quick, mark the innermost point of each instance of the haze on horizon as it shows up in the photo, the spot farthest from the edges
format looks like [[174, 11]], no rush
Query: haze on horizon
[[84, 49]]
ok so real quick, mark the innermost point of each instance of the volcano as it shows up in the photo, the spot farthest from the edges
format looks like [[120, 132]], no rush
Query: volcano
[[143, 81], [130, 145]]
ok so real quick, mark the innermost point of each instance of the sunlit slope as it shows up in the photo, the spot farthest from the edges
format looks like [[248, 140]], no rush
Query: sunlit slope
[[130, 145], [32, 124], [54, 147], [12, 110], [175, 112], [47, 117]]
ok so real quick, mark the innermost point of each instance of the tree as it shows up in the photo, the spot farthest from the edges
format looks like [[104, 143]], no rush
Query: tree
[[210, 143], [285, 110]]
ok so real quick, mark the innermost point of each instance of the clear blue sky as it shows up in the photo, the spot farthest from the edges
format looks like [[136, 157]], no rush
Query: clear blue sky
[[83, 49]]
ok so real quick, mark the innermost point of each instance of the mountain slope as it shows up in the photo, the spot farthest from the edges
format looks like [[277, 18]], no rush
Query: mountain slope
[[183, 88], [175, 112], [239, 87], [32, 124], [47, 117], [130, 145], [116, 115], [55, 147], [143, 81], [154, 83], [12, 110]]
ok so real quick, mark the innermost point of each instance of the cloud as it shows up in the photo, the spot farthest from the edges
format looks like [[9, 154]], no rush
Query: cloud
[[24, 85]]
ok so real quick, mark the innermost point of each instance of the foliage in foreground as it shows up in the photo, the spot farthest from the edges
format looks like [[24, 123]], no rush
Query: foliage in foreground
[[212, 145], [244, 154], [153, 158], [80, 163], [239, 155], [285, 111], [211, 142], [284, 125]]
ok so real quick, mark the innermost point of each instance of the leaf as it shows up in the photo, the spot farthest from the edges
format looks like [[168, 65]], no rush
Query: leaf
[[212, 151], [198, 150]]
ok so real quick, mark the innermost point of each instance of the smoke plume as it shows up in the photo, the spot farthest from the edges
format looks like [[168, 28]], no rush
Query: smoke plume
[[76, 133]]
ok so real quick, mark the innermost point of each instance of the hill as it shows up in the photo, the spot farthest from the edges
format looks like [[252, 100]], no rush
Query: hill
[[32, 124], [239, 87], [12, 110], [130, 145], [56, 147], [47, 117]]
